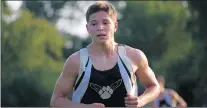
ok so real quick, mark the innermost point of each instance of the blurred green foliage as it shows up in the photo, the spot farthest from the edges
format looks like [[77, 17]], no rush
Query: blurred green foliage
[[30, 47], [23, 89], [30, 43], [158, 29]]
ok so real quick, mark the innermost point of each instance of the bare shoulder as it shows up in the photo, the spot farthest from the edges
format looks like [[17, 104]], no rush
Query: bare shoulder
[[72, 63], [171, 91], [137, 56], [74, 58]]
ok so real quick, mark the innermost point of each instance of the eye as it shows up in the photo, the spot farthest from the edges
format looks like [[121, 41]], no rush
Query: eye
[[105, 22], [93, 24]]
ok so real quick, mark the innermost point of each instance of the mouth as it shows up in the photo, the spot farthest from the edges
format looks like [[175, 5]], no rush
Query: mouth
[[101, 35]]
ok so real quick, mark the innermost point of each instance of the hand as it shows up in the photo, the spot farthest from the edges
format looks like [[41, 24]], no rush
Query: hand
[[97, 105], [132, 101]]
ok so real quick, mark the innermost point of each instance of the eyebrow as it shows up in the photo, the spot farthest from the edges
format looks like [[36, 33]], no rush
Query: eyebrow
[[96, 20], [92, 20]]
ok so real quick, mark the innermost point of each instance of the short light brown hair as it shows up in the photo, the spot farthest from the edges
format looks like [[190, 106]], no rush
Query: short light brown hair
[[161, 79], [102, 6]]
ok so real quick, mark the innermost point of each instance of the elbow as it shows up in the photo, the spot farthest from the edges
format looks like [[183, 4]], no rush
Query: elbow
[[59, 101], [184, 105], [53, 102], [157, 86], [157, 91]]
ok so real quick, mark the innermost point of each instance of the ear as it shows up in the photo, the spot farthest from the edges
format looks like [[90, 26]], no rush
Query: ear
[[115, 26], [87, 28]]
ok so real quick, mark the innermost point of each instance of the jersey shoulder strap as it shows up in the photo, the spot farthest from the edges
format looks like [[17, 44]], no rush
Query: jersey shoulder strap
[[83, 61], [124, 57], [167, 97], [126, 61]]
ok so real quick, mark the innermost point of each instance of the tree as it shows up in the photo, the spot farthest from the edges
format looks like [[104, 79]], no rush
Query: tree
[[29, 46], [157, 28], [29, 43], [197, 26]]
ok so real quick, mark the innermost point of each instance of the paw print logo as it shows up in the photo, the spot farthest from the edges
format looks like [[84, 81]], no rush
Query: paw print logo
[[105, 92]]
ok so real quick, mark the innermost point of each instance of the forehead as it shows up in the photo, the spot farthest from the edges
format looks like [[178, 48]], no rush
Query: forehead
[[99, 16]]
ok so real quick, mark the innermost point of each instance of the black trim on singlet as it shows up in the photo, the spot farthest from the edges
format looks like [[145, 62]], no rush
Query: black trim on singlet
[[124, 63], [126, 70], [80, 79], [125, 67]]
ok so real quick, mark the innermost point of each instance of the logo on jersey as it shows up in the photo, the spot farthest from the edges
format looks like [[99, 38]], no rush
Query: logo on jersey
[[105, 92]]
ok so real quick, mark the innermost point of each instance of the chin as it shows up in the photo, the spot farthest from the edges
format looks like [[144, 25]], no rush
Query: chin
[[103, 41]]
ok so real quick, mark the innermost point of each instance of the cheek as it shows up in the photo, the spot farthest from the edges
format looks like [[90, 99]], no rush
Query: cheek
[[111, 29], [91, 30]]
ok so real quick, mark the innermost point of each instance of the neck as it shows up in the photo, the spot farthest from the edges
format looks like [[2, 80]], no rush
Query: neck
[[162, 89], [104, 49]]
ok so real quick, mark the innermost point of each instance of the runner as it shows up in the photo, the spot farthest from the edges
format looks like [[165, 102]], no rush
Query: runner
[[105, 72], [168, 97]]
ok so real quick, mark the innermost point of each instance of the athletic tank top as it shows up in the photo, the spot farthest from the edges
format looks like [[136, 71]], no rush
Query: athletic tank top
[[105, 87], [165, 102], [109, 87]]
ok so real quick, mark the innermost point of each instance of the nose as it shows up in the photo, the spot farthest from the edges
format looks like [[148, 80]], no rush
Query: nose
[[100, 27]]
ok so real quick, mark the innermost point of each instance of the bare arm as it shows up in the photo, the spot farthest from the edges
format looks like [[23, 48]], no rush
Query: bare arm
[[65, 82], [178, 99], [146, 76]]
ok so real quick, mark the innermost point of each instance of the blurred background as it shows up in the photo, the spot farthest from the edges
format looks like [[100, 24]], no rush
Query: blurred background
[[38, 36]]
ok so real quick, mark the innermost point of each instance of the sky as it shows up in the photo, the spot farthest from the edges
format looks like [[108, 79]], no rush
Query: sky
[[63, 25], [14, 5], [75, 28]]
